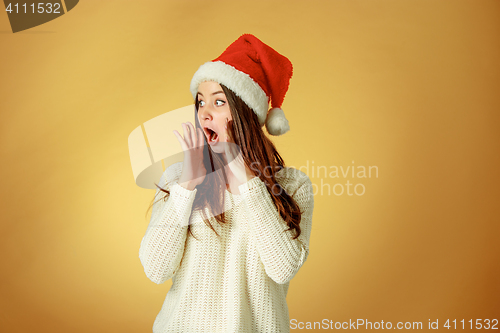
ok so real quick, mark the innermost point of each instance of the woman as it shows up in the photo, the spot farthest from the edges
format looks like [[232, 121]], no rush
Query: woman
[[233, 226]]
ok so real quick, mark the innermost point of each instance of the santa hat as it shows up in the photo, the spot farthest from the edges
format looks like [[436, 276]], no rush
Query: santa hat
[[254, 72]]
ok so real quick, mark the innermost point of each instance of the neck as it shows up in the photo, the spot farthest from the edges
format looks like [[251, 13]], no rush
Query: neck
[[229, 174]]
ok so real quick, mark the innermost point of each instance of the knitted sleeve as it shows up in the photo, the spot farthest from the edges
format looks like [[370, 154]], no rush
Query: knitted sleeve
[[162, 247], [281, 255]]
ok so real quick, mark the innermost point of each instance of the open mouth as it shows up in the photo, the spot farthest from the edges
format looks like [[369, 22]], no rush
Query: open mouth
[[212, 136]]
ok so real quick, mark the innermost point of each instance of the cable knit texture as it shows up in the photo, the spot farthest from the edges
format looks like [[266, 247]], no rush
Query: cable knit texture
[[233, 283]]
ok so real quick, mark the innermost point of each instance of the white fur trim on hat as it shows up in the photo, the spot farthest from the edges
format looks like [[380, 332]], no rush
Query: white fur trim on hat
[[276, 122], [238, 82]]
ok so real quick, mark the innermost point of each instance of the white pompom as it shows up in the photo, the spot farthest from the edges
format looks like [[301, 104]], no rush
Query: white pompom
[[276, 122]]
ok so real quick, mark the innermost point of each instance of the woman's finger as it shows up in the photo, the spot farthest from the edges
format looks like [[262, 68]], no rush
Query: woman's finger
[[181, 140], [193, 132], [187, 135], [201, 137]]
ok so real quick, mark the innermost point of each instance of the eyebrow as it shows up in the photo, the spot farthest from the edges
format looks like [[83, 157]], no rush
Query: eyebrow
[[214, 93]]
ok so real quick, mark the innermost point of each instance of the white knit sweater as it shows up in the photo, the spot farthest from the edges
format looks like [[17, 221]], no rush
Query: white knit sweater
[[235, 282]]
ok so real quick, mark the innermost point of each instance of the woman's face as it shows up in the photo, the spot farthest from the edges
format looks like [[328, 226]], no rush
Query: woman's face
[[213, 110]]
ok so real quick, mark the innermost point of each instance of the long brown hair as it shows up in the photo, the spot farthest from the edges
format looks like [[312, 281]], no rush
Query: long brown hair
[[260, 156]]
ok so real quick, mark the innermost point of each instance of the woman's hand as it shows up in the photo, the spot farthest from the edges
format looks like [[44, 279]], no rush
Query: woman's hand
[[236, 164], [193, 170]]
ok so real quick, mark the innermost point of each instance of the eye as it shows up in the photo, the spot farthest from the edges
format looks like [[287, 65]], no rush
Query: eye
[[201, 103], [220, 102]]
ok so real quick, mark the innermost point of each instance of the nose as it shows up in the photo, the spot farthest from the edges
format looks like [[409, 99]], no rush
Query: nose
[[205, 113]]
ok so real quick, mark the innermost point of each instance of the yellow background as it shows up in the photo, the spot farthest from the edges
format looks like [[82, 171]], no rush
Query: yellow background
[[408, 86]]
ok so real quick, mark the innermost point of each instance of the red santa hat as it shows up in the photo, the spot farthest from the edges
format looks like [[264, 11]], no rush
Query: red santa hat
[[254, 72]]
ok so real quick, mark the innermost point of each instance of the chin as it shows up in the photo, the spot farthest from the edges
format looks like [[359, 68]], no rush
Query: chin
[[218, 149]]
